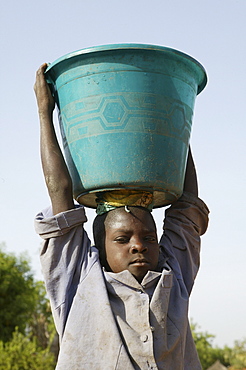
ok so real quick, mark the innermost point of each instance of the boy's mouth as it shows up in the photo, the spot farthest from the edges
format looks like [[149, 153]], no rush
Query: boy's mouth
[[140, 261]]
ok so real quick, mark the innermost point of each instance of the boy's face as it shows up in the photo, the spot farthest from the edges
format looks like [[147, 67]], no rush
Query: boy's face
[[131, 242]]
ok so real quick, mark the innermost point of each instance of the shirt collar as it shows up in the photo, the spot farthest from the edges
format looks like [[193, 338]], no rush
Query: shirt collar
[[127, 278]]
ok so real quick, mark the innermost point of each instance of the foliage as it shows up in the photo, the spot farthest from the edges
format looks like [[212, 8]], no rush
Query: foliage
[[237, 355], [22, 353], [41, 325], [233, 358], [207, 353], [23, 301], [18, 294], [24, 305]]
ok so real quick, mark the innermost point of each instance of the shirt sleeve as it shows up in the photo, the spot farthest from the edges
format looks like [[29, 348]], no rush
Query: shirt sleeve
[[48, 225], [185, 221], [64, 257]]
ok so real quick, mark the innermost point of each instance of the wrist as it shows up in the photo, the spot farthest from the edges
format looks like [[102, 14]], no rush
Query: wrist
[[45, 113]]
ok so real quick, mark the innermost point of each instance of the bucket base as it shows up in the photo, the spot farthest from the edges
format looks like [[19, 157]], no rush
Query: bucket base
[[161, 198]]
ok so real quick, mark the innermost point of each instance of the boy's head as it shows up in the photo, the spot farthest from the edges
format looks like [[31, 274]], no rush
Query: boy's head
[[127, 241]]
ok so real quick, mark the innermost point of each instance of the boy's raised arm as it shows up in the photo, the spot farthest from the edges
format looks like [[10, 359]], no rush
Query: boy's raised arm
[[190, 182], [57, 178]]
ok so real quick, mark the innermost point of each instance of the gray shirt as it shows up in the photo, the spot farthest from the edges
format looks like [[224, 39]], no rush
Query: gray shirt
[[108, 320]]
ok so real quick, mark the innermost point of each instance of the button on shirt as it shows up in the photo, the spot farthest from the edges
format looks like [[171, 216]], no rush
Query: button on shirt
[[110, 321]]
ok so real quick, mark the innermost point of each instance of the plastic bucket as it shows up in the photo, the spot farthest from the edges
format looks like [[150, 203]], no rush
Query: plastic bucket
[[126, 114]]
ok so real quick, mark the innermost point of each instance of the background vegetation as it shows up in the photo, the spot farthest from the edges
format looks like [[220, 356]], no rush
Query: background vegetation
[[28, 339]]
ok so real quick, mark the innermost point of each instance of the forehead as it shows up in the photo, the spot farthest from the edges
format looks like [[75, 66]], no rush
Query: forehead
[[119, 218]]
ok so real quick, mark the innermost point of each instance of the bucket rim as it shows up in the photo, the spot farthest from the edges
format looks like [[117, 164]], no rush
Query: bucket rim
[[131, 46]]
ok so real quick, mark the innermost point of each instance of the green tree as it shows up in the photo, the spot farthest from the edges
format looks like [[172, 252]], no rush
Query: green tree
[[19, 294], [208, 354], [23, 301], [236, 356], [23, 353], [28, 338], [40, 324]]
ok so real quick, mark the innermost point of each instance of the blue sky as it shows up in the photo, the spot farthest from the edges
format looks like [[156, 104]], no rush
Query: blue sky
[[211, 31]]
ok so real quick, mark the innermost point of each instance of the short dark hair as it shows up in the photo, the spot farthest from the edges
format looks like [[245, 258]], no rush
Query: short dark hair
[[99, 235], [99, 230]]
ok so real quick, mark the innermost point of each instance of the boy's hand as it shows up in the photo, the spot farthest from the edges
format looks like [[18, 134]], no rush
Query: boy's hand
[[45, 100]]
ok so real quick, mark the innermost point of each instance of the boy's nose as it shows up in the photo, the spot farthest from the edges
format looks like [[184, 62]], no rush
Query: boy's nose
[[138, 247]]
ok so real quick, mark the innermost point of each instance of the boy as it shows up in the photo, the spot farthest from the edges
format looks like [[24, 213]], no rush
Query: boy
[[122, 304]]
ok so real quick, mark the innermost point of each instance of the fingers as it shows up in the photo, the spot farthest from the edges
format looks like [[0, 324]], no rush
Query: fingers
[[43, 94], [40, 79], [42, 68]]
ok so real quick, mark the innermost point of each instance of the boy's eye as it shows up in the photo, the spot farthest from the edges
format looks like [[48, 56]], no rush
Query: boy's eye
[[150, 238], [122, 239]]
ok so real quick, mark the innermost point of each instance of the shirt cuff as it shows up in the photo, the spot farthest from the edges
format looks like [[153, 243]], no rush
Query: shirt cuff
[[60, 223], [192, 199]]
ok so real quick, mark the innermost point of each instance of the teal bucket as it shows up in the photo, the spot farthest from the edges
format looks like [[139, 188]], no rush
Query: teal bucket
[[125, 117]]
